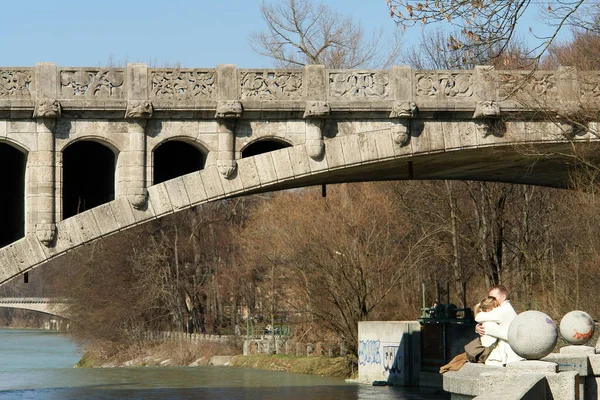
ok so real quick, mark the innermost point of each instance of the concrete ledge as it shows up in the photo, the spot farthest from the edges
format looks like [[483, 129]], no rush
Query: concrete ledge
[[523, 387]]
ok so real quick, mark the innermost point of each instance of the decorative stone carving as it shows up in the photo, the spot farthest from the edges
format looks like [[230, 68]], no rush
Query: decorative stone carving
[[486, 109], [227, 167], [314, 113], [405, 109], [15, 82], [402, 111], [359, 84], [271, 84], [139, 109], [485, 114], [229, 109], [444, 84], [45, 233], [138, 201], [183, 84], [103, 83], [317, 109], [47, 108], [401, 133], [538, 85]]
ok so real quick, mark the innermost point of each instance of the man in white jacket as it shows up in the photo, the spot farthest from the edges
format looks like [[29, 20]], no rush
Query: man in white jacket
[[503, 315]]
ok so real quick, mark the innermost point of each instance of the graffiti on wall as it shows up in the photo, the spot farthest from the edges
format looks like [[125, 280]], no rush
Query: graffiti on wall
[[369, 352], [393, 360]]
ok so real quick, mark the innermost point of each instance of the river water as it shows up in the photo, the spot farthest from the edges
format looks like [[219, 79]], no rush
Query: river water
[[39, 365]]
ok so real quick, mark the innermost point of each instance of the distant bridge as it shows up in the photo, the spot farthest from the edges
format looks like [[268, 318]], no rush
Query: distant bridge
[[95, 151], [47, 305]]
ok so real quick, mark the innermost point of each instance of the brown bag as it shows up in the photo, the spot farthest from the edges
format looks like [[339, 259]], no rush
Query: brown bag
[[476, 352], [456, 363]]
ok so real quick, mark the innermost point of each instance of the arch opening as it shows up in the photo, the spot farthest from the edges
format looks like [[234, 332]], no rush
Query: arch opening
[[175, 158], [12, 201], [88, 176], [263, 146]]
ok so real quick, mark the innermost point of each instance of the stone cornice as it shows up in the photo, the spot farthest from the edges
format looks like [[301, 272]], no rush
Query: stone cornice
[[196, 92]]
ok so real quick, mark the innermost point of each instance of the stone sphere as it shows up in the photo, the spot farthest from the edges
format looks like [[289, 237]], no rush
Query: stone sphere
[[577, 327], [532, 335]]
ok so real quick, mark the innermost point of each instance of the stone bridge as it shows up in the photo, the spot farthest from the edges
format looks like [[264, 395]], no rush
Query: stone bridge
[[45, 305], [90, 152]]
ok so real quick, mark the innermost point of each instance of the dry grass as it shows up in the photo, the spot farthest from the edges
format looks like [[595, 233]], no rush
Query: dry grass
[[340, 367]]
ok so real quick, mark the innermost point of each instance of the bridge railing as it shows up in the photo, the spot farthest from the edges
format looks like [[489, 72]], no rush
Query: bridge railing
[[198, 89]]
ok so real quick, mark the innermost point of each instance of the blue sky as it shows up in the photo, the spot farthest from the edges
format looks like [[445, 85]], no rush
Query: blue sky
[[196, 33]]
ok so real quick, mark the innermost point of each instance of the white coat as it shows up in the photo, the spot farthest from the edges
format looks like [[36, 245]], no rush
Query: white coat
[[501, 317]]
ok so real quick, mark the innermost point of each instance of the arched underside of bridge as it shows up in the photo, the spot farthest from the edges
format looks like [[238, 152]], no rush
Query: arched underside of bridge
[[42, 308], [351, 158]]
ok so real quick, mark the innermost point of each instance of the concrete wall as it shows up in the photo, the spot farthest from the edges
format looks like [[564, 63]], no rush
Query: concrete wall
[[389, 351]]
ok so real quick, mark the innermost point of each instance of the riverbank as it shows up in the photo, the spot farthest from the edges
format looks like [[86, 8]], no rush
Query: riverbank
[[183, 353]]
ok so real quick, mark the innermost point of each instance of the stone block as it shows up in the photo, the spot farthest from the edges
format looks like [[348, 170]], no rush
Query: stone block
[[177, 193], [248, 173], [401, 82], [21, 126], [282, 163], [318, 165], [194, 187], [137, 81], [34, 249], [368, 147], [3, 125], [570, 362], [296, 127], [265, 169], [105, 218], [334, 153], [87, 225], [523, 387], [122, 212], [233, 184], [350, 148], [385, 144], [299, 160], [227, 82], [452, 134], [46, 76], [8, 267], [67, 236], [564, 385], [159, 196], [212, 182]]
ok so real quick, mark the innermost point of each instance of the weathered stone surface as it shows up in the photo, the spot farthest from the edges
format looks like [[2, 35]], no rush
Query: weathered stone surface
[[177, 193], [194, 187], [159, 196], [532, 335]]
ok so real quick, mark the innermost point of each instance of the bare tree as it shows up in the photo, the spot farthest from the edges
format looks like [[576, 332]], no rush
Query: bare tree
[[490, 26], [299, 32]]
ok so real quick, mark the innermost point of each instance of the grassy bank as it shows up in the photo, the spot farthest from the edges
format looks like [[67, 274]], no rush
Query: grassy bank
[[184, 353], [340, 367]]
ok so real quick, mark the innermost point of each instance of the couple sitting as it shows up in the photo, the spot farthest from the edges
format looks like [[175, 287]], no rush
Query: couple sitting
[[491, 347]]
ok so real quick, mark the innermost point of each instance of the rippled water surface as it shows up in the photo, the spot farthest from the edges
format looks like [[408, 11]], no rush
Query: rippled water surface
[[38, 365]]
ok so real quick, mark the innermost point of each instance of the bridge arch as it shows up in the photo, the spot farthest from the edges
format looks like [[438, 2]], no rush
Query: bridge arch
[[13, 158], [176, 157], [263, 145], [88, 175], [347, 158]]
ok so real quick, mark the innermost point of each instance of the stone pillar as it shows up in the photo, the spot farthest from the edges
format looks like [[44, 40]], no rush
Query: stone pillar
[[228, 112], [315, 114], [132, 173], [41, 173]]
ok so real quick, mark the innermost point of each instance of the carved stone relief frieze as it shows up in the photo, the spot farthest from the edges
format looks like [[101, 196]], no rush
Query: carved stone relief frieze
[[103, 83], [444, 84], [271, 85], [183, 84], [538, 86], [589, 86], [359, 84], [15, 82]]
